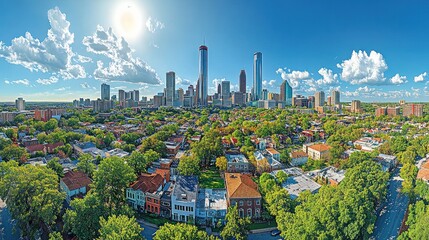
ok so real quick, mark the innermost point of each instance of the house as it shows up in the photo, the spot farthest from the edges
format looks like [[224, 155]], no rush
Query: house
[[143, 193], [243, 192], [273, 153], [211, 207], [75, 184], [184, 199], [237, 162], [297, 182], [174, 144], [28, 141], [387, 162], [318, 151], [423, 173], [298, 158], [265, 162], [330, 175], [166, 200], [80, 148], [367, 144], [117, 152]]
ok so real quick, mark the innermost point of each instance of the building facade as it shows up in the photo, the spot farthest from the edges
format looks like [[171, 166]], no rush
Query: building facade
[[203, 76], [170, 88], [257, 76], [105, 91], [243, 81]]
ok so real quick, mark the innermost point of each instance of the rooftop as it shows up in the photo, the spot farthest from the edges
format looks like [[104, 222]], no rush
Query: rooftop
[[235, 158], [75, 180], [241, 186], [186, 188], [320, 147], [148, 182]]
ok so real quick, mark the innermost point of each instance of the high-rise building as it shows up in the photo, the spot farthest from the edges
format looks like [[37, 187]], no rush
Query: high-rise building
[[238, 98], [264, 95], [121, 95], [355, 106], [329, 101], [203, 76], [180, 96], [243, 81], [299, 101], [335, 98], [136, 95], [226, 89], [393, 111], [413, 110], [319, 100], [20, 104], [257, 76], [105, 91], [219, 89], [170, 90], [273, 96], [114, 98], [101, 105], [286, 93]]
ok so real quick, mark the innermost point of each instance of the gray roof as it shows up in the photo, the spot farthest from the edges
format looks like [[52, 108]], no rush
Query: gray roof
[[186, 188]]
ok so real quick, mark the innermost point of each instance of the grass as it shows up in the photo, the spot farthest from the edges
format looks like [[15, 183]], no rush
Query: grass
[[210, 178], [157, 220], [254, 226]]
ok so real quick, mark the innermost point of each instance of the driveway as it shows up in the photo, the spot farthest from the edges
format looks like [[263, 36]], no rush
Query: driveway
[[392, 212]]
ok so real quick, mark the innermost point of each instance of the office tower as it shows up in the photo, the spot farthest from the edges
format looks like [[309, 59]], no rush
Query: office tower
[[219, 89], [226, 89], [105, 92], [20, 104], [136, 95], [238, 98], [355, 106], [121, 94], [158, 100], [203, 76], [329, 101], [299, 101], [243, 81], [131, 95], [114, 98], [81, 101], [319, 100], [257, 76], [101, 105], [180, 96], [273, 96], [87, 102], [264, 94], [311, 100], [170, 90], [286, 93], [413, 110], [144, 99], [335, 98]]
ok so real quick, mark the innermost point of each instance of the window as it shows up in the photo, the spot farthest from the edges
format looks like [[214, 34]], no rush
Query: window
[[249, 203], [233, 203], [241, 212], [241, 203], [249, 212], [258, 202], [257, 213]]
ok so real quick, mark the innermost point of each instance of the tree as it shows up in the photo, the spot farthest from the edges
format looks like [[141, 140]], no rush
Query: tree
[[189, 165], [235, 227], [111, 180], [31, 194], [51, 124], [55, 236], [86, 164], [83, 218], [181, 231], [151, 156], [14, 152], [138, 162], [120, 228], [409, 174], [417, 221], [20, 118], [281, 176], [221, 163], [56, 167]]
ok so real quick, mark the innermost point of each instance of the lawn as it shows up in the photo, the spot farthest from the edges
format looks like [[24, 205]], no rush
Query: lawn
[[210, 178], [270, 224], [159, 221]]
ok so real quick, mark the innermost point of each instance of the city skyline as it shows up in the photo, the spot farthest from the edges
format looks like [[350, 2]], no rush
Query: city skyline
[[72, 60]]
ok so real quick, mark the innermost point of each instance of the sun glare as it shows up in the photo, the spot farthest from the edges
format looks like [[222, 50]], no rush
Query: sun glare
[[128, 20]]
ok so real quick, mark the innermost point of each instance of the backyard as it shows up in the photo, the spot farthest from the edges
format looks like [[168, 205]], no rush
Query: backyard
[[211, 178]]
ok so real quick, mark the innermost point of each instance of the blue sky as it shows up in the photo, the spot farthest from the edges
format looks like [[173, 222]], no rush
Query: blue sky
[[370, 50]]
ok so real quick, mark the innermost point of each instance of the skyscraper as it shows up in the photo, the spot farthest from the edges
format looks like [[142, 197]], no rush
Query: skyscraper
[[319, 100], [264, 95], [257, 76], [20, 104], [243, 81], [170, 90], [136, 95], [105, 92], [335, 98], [286, 93], [203, 76], [121, 95], [225, 90]]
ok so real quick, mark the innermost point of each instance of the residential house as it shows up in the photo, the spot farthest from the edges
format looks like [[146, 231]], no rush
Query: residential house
[[243, 192], [387, 162], [184, 199], [117, 152], [367, 144], [143, 193], [237, 162], [266, 162], [211, 207], [75, 184], [297, 182], [423, 173], [329, 175], [298, 158], [166, 200], [318, 151]]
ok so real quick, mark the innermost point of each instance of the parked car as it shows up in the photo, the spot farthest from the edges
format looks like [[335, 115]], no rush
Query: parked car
[[275, 232]]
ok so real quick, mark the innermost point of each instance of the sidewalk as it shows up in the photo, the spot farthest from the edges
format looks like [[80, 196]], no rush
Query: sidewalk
[[147, 223], [262, 230]]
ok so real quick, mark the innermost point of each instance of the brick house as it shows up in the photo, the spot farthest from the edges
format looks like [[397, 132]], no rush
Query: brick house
[[243, 192], [75, 184], [145, 193]]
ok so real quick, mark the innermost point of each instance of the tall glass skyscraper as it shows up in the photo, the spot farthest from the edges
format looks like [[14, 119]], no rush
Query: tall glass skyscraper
[[170, 88], [203, 76], [257, 76], [105, 92], [286, 93], [243, 81]]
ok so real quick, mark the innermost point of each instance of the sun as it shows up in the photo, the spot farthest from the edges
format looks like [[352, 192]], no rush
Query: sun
[[128, 20]]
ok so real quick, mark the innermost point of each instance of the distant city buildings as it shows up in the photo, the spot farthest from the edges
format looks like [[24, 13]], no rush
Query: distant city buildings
[[286, 93], [257, 76], [20, 104], [105, 92], [242, 81], [319, 99], [412, 110], [203, 76], [170, 89], [356, 107], [389, 111]]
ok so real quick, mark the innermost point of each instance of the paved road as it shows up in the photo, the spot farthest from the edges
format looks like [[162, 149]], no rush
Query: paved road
[[147, 231], [262, 236], [388, 223]]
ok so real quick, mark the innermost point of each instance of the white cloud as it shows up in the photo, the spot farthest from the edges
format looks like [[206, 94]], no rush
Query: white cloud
[[271, 82], [294, 77], [62, 89], [328, 77], [123, 67], [421, 77], [398, 79], [83, 59], [24, 82], [47, 81], [53, 54], [215, 83], [152, 24], [85, 85], [362, 68], [182, 81], [365, 89]]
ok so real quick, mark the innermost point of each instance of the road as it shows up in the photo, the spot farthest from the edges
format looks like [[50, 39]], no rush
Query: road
[[262, 236], [388, 223], [147, 231]]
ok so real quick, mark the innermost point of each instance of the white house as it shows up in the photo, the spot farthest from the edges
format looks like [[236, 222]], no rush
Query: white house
[[74, 183], [184, 199]]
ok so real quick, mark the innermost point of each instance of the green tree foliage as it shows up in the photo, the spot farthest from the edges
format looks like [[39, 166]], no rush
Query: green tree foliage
[[236, 227], [120, 228], [181, 231], [139, 162], [221, 163], [83, 219], [111, 181], [14, 152], [56, 167], [152, 143], [51, 125], [189, 165], [417, 221], [208, 148], [4, 143], [409, 174], [31, 194], [55, 236], [130, 138], [86, 164]]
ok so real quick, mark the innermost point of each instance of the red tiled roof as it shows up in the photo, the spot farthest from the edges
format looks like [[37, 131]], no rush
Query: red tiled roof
[[75, 180], [299, 154], [241, 186], [320, 147], [148, 182], [35, 148]]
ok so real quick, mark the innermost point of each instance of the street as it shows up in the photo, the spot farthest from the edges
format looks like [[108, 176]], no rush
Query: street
[[390, 217], [262, 236], [148, 231]]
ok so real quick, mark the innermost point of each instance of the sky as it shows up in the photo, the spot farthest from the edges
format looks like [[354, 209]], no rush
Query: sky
[[60, 50]]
